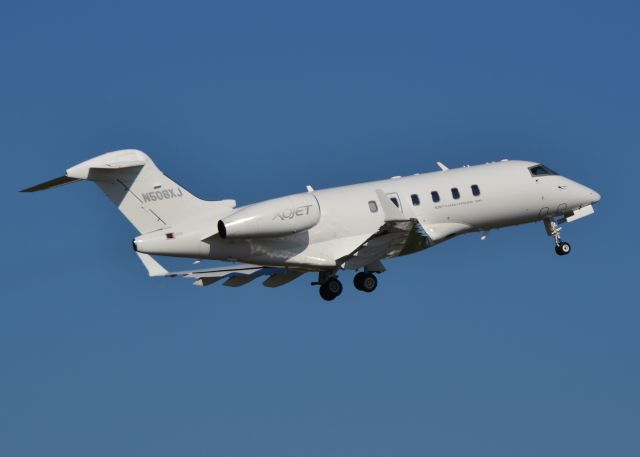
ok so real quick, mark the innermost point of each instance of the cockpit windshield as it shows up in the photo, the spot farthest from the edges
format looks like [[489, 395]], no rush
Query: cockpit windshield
[[541, 170]]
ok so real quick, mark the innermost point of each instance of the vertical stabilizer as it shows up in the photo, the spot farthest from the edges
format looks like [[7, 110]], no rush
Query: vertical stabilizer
[[147, 198]]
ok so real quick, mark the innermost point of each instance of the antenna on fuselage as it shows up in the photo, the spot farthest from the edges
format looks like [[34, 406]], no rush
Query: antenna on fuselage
[[442, 166]]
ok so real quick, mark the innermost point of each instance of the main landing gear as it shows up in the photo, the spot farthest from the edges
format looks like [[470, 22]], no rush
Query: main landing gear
[[553, 229], [365, 281], [331, 287]]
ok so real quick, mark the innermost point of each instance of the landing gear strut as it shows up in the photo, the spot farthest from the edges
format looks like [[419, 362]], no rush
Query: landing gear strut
[[365, 281], [553, 229]]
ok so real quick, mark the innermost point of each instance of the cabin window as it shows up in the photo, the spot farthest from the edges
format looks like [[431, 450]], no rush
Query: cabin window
[[373, 206], [415, 199], [541, 170], [455, 193], [475, 190], [435, 196], [395, 201]]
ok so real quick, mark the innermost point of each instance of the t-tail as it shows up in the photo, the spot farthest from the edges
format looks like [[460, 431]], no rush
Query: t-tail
[[147, 198]]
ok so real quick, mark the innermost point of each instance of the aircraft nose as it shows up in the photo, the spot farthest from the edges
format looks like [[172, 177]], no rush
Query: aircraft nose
[[585, 195]]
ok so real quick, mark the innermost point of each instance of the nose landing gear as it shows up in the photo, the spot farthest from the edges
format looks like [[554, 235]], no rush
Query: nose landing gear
[[553, 229], [563, 248]]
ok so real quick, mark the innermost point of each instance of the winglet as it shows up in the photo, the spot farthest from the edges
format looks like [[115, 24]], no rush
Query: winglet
[[152, 266], [391, 211], [442, 166]]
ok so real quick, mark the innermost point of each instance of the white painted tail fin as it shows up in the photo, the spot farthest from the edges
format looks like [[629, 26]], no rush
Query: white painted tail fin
[[147, 198]]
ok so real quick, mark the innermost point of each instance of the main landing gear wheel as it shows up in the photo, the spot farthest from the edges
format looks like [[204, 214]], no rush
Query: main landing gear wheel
[[563, 248], [366, 282], [331, 289]]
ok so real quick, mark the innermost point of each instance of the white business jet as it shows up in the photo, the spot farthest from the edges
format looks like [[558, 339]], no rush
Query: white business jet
[[326, 231]]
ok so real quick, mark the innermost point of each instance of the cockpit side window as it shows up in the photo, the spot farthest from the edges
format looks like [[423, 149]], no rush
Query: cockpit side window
[[541, 170]]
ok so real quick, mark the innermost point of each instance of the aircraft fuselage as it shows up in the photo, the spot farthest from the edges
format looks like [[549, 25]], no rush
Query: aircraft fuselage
[[446, 203]]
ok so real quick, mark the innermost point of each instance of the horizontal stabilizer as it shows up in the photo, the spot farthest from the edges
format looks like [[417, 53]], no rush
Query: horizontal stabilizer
[[61, 181], [82, 171]]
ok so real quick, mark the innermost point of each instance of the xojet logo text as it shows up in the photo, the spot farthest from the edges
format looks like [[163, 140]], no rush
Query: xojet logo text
[[290, 213]]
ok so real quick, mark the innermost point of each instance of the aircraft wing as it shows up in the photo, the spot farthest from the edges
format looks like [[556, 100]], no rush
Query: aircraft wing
[[399, 235], [235, 275], [392, 239]]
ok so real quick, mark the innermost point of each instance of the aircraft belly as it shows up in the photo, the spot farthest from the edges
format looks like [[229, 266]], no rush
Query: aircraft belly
[[257, 251]]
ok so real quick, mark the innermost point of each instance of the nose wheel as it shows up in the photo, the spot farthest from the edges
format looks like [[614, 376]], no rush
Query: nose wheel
[[553, 229], [563, 248]]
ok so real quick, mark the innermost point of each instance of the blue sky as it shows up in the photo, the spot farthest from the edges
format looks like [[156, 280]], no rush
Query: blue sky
[[492, 348]]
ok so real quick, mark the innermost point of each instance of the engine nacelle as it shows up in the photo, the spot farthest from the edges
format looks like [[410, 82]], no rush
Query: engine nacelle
[[272, 218]]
